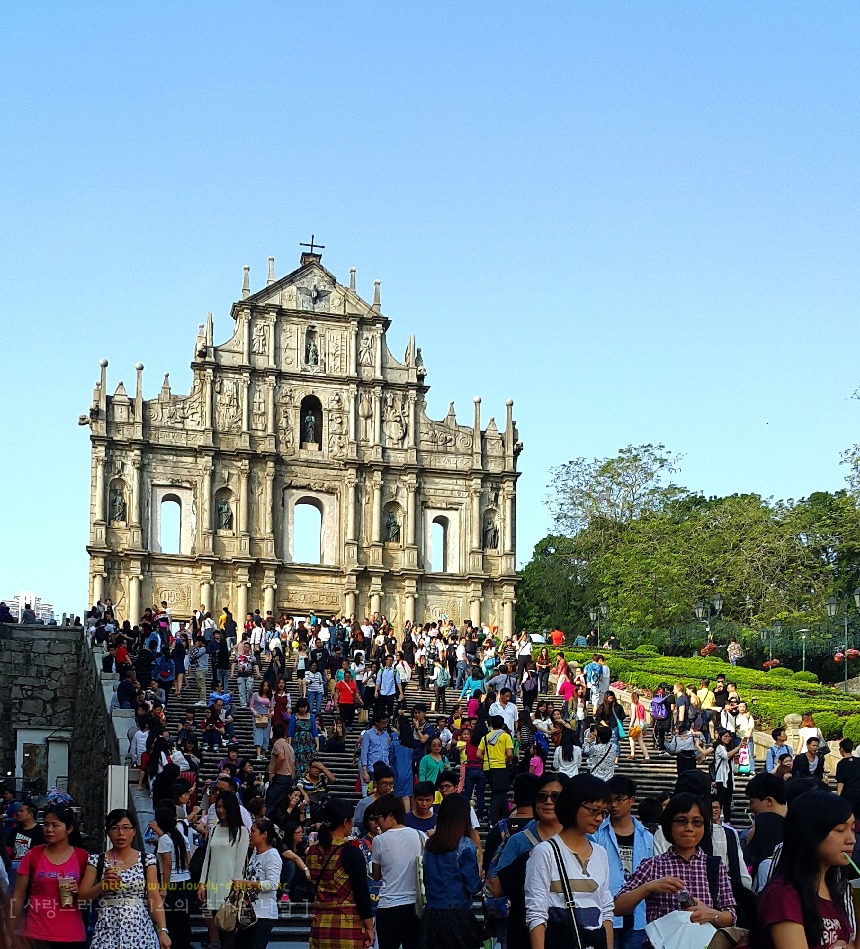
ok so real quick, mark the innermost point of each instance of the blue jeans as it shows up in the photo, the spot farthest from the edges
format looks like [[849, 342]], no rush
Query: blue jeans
[[222, 676], [631, 939], [476, 780], [315, 701], [461, 675]]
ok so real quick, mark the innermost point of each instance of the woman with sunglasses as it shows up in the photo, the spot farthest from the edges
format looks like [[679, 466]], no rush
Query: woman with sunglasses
[[580, 809], [660, 880], [126, 882]]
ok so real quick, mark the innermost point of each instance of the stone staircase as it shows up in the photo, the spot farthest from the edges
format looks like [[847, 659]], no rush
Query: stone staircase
[[293, 926]]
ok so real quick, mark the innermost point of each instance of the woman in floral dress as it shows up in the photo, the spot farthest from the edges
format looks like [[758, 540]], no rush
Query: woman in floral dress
[[131, 914], [302, 734]]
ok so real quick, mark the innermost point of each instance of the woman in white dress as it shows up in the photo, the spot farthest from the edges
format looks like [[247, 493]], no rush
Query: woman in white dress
[[224, 861]]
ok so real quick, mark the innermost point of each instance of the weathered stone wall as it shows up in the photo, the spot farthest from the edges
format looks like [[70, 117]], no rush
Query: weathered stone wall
[[38, 681]]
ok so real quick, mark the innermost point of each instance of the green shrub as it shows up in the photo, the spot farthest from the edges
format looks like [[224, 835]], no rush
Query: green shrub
[[851, 728], [781, 671], [805, 677], [646, 649], [830, 725]]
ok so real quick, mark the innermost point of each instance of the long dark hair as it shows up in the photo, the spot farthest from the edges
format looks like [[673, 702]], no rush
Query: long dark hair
[[810, 818], [164, 782], [454, 821], [165, 817], [233, 813], [568, 743], [336, 812]]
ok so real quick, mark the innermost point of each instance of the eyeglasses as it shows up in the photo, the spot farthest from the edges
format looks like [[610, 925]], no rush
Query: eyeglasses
[[696, 822], [543, 797], [620, 799], [595, 811], [121, 829]]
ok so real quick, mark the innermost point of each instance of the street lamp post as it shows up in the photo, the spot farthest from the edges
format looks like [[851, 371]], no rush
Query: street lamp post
[[595, 614], [803, 634], [704, 612], [777, 628]]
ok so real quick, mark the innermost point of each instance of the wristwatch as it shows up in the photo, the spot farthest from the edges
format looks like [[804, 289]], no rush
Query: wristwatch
[[716, 915]]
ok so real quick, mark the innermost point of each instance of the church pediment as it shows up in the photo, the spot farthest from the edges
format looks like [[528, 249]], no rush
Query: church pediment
[[310, 289]]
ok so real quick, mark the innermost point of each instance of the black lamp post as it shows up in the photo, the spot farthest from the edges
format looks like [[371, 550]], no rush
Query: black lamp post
[[706, 609], [832, 610], [595, 614]]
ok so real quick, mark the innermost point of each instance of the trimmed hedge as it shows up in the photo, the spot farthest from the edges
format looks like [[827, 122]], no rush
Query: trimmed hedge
[[830, 725], [805, 677], [852, 729], [770, 698]]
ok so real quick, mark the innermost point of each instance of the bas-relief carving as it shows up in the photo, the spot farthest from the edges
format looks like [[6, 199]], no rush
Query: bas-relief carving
[[366, 351], [337, 445], [337, 352], [185, 411], [258, 484], [288, 346], [259, 340], [394, 420], [228, 414], [258, 408], [365, 414], [442, 610]]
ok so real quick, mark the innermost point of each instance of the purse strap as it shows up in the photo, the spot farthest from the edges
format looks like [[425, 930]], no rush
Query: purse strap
[[565, 886]]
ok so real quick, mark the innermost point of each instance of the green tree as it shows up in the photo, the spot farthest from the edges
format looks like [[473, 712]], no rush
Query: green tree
[[550, 592]]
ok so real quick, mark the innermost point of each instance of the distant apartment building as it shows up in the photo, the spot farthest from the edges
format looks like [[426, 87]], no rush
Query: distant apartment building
[[44, 611]]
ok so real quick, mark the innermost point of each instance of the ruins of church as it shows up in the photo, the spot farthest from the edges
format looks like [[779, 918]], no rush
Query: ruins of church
[[303, 405]]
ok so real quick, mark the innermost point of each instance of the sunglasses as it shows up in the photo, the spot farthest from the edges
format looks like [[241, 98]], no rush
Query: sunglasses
[[544, 797]]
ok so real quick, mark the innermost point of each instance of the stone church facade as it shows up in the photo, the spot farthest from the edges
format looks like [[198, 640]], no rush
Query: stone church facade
[[303, 405]]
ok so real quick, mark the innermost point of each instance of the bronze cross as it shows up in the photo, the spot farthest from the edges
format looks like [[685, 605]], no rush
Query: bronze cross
[[312, 245]]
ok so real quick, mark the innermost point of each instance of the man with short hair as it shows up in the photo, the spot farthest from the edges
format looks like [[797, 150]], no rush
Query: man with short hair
[[627, 843], [388, 687], [375, 746], [383, 783], [848, 774], [505, 707], [778, 752], [282, 767], [26, 835], [810, 764], [681, 713], [422, 816]]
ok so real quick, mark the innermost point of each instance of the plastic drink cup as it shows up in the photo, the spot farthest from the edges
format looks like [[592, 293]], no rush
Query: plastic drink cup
[[67, 898]]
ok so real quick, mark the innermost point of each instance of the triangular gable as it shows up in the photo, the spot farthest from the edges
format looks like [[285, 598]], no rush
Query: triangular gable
[[313, 288]]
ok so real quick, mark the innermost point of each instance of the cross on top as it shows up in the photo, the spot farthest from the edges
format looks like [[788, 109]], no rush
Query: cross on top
[[312, 245]]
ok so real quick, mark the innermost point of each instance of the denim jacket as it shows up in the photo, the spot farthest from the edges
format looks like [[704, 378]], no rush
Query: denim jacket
[[451, 879], [643, 847]]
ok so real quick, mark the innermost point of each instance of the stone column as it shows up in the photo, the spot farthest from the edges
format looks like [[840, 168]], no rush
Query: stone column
[[508, 612], [353, 348], [411, 423], [270, 406], [268, 500], [241, 597], [206, 595], [475, 515], [206, 498], [246, 338], [411, 490], [409, 600], [509, 519], [350, 509], [380, 339], [375, 601], [207, 399], [269, 598], [246, 389], [136, 466], [99, 462], [243, 498], [134, 611], [377, 417], [475, 608], [98, 584], [349, 602], [350, 413], [375, 531]]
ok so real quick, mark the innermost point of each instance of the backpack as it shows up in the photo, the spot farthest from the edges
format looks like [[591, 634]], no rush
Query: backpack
[[658, 708], [539, 739], [530, 684], [442, 678]]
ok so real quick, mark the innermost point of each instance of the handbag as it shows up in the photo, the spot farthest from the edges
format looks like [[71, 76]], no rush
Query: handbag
[[558, 934], [420, 891], [621, 732], [261, 721], [227, 917], [362, 717], [635, 731]]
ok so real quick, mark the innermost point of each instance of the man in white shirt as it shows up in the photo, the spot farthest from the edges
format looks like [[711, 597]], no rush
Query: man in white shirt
[[507, 709]]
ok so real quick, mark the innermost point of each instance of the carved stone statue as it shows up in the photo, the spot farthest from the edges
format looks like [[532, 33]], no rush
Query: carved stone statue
[[223, 515], [259, 344], [491, 534], [394, 423], [392, 528], [259, 408], [117, 504], [312, 355], [309, 428]]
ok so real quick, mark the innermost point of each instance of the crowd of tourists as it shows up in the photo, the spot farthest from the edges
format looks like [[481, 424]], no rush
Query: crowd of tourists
[[509, 736]]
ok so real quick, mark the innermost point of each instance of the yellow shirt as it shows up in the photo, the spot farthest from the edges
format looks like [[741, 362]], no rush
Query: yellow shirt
[[495, 752], [706, 697]]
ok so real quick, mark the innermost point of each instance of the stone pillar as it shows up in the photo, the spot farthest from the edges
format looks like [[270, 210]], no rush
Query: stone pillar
[[377, 417], [241, 597], [206, 498], [475, 608], [411, 490], [409, 600], [350, 509], [509, 519], [353, 348], [375, 601], [207, 400], [376, 527], [349, 602], [99, 462], [268, 499], [98, 587], [243, 498], [134, 612], [475, 513], [246, 339], [270, 406], [136, 466], [246, 391], [380, 339], [350, 413], [206, 595], [411, 424], [269, 598], [508, 612]]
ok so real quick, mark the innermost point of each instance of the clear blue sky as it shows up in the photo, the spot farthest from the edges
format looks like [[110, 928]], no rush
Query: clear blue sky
[[639, 221]]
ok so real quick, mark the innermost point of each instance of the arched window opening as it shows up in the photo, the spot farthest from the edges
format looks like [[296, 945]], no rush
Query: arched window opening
[[171, 518], [439, 545], [307, 533]]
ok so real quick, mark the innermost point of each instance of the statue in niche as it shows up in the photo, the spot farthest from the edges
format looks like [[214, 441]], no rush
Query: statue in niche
[[491, 533], [312, 355], [365, 351], [392, 528], [259, 343], [223, 515], [117, 504], [309, 428]]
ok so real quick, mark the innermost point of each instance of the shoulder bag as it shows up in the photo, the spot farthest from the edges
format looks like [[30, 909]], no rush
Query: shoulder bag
[[568, 933], [420, 890]]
